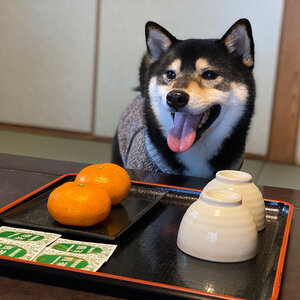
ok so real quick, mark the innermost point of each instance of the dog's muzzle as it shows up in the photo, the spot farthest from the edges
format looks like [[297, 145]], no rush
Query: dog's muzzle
[[177, 99]]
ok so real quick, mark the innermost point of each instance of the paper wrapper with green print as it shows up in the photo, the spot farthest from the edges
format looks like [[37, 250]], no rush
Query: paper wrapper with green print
[[27, 235], [20, 250]]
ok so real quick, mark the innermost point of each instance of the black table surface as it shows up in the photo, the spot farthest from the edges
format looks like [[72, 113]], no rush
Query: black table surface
[[20, 175]]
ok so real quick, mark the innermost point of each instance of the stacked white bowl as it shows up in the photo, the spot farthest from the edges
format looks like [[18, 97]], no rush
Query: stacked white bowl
[[222, 224], [241, 182]]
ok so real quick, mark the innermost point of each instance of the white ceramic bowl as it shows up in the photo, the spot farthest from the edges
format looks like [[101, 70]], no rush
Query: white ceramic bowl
[[218, 227], [241, 182]]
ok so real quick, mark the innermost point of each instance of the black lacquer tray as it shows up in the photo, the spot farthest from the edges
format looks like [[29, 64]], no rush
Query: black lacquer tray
[[147, 262]]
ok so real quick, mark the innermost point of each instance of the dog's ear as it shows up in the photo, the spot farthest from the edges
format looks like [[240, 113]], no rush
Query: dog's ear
[[158, 40], [239, 42]]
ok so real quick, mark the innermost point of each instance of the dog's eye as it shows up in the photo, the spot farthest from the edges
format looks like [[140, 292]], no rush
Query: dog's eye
[[171, 74], [209, 75]]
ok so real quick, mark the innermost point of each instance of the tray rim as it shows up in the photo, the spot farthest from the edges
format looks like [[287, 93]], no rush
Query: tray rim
[[279, 269]]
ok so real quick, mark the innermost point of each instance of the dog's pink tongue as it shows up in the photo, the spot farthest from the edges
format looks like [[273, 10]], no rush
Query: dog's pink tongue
[[182, 135]]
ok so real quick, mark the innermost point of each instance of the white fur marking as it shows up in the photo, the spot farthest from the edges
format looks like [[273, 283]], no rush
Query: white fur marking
[[160, 108], [240, 90]]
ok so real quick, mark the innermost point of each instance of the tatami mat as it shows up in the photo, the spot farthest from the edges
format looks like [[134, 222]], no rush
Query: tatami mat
[[54, 147], [263, 173], [273, 174]]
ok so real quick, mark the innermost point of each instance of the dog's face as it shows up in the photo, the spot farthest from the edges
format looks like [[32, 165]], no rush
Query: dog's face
[[197, 86]]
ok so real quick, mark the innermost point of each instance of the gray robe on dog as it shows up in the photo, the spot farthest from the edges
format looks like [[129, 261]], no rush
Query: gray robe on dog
[[136, 150]]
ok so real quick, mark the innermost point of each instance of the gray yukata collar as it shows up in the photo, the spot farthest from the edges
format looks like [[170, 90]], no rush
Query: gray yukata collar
[[156, 157]]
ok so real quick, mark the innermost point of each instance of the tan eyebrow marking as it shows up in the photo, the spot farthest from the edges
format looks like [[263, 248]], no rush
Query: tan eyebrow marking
[[201, 64], [175, 65]]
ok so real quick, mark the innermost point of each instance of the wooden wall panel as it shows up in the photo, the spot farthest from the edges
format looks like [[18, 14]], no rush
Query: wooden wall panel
[[286, 108]]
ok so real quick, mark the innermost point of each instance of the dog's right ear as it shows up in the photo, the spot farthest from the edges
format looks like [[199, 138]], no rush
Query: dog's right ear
[[158, 40], [239, 42]]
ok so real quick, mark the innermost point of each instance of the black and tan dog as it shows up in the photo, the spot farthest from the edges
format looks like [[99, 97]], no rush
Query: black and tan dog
[[195, 107]]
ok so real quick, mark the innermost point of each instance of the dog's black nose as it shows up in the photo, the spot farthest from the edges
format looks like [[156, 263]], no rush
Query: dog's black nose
[[177, 98]]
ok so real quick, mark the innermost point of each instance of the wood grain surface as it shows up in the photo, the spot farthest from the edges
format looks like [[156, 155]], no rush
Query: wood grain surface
[[283, 135]]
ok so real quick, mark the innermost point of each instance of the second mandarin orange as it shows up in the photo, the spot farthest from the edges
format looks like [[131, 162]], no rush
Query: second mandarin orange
[[111, 177]]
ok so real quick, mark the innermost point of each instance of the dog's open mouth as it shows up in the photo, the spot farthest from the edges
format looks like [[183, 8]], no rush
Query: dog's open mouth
[[189, 128]]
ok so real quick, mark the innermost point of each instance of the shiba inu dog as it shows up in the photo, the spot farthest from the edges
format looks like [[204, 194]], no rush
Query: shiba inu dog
[[195, 105]]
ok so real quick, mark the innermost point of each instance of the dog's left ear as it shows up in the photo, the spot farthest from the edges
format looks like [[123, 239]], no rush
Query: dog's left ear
[[239, 42], [158, 40]]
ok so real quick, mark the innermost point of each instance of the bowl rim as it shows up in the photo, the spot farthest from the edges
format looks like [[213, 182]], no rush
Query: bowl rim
[[221, 197], [234, 176]]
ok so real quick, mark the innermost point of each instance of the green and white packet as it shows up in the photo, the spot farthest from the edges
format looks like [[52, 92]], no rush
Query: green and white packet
[[21, 250], [103, 251], [28, 236], [89, 262]]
